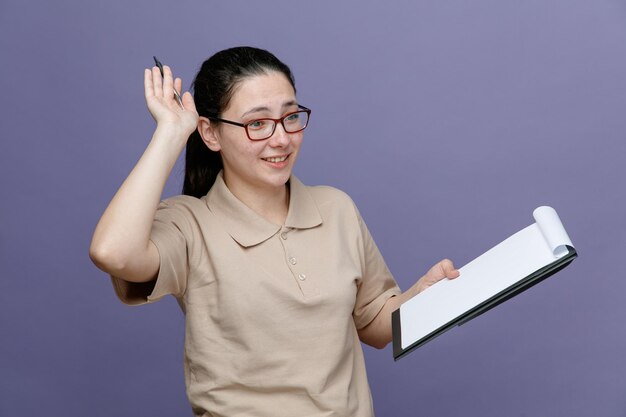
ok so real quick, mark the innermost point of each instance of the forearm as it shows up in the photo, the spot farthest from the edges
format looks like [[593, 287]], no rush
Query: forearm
[[378, 332], [120, 243]]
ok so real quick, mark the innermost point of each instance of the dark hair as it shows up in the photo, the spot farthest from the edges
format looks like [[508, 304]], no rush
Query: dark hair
[[213, 88]]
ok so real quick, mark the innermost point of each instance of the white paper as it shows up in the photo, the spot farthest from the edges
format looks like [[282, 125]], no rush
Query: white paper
[[517, 257], [552, 230]]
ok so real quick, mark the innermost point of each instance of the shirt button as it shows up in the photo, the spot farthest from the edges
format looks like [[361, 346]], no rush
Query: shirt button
[[293, 261], [301, 277], [283, 235]]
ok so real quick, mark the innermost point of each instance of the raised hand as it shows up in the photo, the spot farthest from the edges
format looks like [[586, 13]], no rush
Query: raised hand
[[121, 242], [163, 105]]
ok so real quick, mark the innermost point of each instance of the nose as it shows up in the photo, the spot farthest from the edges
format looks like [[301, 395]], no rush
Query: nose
[[280, 138]]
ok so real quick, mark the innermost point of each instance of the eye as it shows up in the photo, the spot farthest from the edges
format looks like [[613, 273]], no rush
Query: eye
[[292, 118], [258, 124]]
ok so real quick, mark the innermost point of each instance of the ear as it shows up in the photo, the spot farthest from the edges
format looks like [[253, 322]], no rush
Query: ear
[[208, 134]]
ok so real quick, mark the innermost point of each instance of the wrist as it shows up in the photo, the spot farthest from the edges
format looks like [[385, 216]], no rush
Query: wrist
[[171, 132], [415, 289]]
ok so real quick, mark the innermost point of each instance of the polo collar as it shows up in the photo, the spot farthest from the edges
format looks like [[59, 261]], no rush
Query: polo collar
[[247, 227]]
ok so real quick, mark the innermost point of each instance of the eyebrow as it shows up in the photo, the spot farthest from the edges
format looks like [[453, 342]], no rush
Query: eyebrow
[[264, 108]]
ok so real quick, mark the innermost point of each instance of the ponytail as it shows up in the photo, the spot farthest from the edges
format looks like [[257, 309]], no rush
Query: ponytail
[[201, 167]]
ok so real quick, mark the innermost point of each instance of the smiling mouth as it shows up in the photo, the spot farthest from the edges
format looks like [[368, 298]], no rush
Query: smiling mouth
[[276, 159]]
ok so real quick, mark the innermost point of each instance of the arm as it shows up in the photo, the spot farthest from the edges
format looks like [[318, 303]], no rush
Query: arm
[[121, 243], [378, 332]]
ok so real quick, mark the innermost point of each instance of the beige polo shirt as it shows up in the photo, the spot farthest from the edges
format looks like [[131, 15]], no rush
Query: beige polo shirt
[[272, 311]]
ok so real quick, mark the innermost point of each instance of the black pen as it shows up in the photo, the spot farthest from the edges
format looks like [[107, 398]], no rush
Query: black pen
[[158, 64]]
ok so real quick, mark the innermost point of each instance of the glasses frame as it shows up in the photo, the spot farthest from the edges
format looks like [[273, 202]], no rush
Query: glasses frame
[[276, 121]]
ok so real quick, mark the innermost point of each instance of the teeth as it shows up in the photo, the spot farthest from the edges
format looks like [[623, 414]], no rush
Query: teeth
[[281, 159]]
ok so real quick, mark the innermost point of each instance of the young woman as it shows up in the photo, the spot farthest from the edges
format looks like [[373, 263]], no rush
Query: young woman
[[279, 281]]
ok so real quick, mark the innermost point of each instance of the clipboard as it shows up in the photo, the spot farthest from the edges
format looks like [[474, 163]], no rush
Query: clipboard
[[522, 260]]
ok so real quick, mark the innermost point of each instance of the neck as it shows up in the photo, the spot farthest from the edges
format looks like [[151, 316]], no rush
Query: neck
[[270, 203]]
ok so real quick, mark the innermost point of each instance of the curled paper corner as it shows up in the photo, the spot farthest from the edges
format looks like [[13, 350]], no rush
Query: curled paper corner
[[544, 211], [553, 231]]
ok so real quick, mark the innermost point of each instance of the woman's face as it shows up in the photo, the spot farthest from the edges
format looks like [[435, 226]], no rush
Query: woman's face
[[265, 164]]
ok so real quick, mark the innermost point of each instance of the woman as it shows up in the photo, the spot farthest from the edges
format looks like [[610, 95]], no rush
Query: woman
[[279, 281]]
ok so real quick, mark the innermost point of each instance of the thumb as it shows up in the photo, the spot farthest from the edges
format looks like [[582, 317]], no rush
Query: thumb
[[442, 269], [448, 269]]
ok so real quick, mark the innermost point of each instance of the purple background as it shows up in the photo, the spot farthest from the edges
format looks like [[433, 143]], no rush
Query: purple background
[[447, 121]]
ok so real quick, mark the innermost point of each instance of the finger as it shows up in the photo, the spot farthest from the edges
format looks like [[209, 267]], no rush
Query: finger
[[178, 85], [147, 83], [157, 82], [168, 82], [188, 101], [440, 270], [448, 269]]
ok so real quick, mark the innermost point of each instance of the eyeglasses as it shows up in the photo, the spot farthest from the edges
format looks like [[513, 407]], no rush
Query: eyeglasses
[[261, 129]]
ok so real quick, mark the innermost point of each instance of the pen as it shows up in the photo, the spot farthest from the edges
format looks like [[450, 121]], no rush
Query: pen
[[158, 64]]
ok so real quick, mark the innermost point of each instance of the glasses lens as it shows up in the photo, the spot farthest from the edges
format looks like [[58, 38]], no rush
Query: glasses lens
[[295, 122], [260, 129]]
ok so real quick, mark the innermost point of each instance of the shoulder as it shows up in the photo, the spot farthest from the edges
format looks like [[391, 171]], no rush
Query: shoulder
[[180, 201], [333, 200], [339, 212], [181, 209], [327, 194], [183, 203]]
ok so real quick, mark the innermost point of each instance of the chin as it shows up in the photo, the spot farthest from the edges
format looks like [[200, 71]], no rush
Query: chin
[[277, 179]]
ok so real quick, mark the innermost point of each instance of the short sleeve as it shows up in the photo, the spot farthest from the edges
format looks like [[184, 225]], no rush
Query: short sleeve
[[376, 285], [170, 231]]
